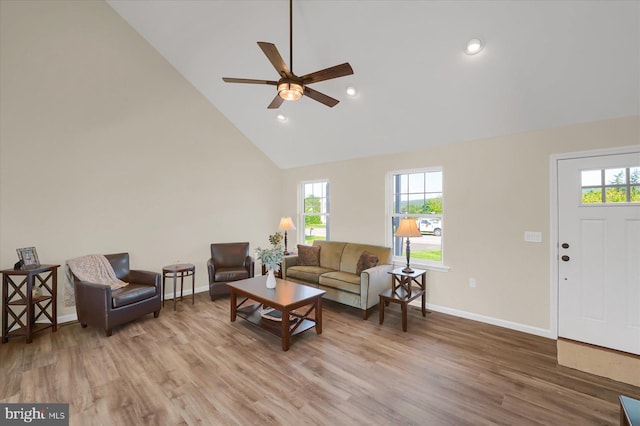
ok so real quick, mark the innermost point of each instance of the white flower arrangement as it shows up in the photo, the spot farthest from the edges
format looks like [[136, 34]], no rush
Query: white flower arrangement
[[272, 257]]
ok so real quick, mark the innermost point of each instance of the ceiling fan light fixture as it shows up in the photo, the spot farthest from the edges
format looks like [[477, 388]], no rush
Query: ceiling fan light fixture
[[475, 45], [290, 91], [352, 91]]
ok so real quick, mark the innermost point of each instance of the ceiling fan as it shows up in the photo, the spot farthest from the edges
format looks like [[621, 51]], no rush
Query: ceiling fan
[[290, 86]]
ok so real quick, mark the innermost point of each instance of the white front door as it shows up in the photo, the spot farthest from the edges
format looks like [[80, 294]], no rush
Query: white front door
[[599, 250]]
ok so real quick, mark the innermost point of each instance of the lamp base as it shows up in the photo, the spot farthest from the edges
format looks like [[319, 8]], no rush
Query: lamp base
[[286, 252], [407, 270]]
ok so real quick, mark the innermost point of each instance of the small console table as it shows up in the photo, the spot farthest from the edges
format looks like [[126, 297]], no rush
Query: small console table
[[402, 291], [180, 270], [24, 306]]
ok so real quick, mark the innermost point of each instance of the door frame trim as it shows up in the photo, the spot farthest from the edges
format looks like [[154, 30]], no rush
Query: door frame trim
[[554, 222]]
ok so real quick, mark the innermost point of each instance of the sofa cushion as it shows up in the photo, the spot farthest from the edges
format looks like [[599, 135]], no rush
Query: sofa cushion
[[352, 252], [131, 294], [308, 255], [307, 273], [367, 260], [330, 253], [342, 281]]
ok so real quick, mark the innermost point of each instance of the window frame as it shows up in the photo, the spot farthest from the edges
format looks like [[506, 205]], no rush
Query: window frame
[[390, 214], [628, 186], [302, 214]]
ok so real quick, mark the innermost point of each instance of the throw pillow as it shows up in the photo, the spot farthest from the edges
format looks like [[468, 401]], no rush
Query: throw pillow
[[367, 260], [308, 255]]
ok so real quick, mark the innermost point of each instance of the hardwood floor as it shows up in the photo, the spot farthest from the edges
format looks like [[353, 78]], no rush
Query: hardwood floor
[[194, 366]]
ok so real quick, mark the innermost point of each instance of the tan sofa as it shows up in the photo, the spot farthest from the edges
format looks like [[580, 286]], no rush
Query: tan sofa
[[336, 273]]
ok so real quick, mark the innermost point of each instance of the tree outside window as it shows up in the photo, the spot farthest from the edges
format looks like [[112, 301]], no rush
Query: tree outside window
[[618, 185], [418, 194], [314, 211]]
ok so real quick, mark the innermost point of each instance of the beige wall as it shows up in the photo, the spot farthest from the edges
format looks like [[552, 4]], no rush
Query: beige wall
[[106, 148], [494, 191]]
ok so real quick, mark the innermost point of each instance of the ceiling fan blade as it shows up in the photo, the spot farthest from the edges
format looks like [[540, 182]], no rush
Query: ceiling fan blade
[[320, 97], [328, 73], [271, 51], [249, 80], [276, 102]]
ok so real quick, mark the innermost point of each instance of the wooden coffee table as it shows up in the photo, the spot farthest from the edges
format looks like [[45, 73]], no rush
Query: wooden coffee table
[[295, 301]]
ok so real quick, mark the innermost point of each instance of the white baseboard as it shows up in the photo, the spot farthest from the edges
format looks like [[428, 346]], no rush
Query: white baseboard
[[450, 311], [67, 318], [187, 291], [169, 296], [493, 321]]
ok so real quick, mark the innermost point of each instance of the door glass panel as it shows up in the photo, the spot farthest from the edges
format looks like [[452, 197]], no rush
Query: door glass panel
[[592, 196], [620, 185], [615, 176], [616, 195], [591, 178]]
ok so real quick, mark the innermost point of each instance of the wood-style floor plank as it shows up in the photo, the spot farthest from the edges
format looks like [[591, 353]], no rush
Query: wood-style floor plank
[[195, 367]]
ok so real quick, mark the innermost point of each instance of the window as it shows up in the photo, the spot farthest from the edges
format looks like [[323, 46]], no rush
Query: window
[[314, 211], [608, 186], [417, 194]]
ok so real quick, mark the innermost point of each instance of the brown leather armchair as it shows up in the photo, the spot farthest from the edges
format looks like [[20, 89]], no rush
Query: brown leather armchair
[[99, 306], [229, 262]]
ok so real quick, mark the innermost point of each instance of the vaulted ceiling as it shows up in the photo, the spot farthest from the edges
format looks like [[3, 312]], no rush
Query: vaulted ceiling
[[545, 64]]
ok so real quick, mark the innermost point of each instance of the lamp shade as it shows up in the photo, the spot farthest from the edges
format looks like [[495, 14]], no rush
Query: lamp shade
[[408, 228], [286, 224]]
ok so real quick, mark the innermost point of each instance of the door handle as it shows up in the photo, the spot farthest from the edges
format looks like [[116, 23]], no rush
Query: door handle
[[565, 258], [565, 245]]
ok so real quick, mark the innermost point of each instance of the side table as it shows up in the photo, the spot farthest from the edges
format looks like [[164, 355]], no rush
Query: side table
[[181, 270], [401, 292], [19, 300]]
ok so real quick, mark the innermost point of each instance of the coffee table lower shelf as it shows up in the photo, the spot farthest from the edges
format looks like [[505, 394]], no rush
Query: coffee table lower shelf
[[296, 325]]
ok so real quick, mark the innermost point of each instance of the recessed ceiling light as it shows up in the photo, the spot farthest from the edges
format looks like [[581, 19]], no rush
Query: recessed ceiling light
[[281, 117], [475, 45], [351, 91]]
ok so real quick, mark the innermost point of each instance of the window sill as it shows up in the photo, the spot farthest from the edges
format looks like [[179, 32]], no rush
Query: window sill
[[423, 265]]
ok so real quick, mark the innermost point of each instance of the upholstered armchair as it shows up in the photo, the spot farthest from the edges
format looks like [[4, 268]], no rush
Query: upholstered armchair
[[228, 262], [100, 306]]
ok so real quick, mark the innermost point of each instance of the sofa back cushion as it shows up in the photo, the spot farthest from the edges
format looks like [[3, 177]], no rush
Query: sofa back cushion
[[352, 252], [367, 260], [308, 255], [330, 253]]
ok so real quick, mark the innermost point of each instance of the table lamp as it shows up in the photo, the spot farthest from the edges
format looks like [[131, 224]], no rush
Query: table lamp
[[407, 229], [286, 224]]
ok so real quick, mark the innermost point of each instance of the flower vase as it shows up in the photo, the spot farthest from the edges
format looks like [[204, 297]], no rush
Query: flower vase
[[271, 279]]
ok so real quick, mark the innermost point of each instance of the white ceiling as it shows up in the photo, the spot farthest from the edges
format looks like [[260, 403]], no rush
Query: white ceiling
[[545, 64]]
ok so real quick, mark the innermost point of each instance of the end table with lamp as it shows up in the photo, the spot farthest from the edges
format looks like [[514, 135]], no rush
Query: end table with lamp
[[402, 291]]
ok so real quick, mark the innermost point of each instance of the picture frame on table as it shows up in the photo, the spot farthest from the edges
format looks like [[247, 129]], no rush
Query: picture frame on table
[[28, 256]]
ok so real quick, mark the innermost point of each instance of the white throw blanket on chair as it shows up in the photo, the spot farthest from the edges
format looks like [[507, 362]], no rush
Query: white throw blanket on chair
[[95, 268]]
